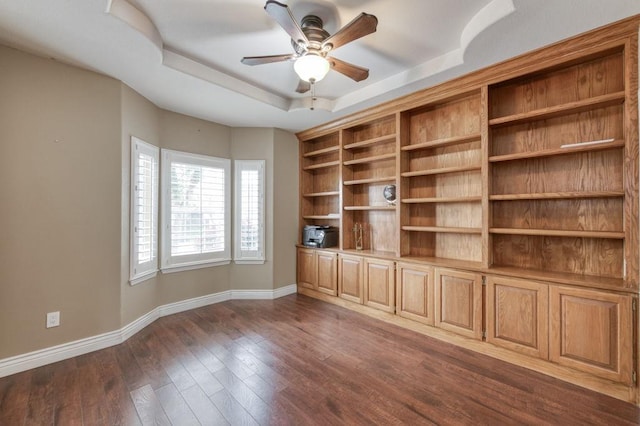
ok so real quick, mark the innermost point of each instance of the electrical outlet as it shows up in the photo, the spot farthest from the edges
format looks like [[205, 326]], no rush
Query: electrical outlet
[[53, 319]]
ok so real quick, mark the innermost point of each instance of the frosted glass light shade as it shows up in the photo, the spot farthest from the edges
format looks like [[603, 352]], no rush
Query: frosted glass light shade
[[311, 67]]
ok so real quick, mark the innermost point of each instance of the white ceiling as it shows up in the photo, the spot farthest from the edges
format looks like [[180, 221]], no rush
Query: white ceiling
[[184, 55]]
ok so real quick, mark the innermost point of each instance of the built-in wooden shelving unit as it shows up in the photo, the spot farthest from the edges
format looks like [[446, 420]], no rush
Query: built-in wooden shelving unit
[[522, 176]]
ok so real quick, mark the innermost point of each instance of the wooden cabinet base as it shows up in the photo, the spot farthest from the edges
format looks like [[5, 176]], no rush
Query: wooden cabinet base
[[586, 380], [592, 331]]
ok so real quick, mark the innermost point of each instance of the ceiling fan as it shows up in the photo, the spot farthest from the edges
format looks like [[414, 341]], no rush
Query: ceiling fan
[[311, 44]]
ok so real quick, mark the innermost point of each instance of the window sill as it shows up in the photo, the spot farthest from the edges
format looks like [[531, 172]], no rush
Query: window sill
[[195, 265], [249, 262], [147, 276]]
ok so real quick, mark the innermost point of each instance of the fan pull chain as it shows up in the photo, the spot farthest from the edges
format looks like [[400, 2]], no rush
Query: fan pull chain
[[313, 93]]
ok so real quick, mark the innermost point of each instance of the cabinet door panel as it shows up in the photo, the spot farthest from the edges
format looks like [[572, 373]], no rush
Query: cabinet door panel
[[307, 271], [458, 297], [518, 315], [327, 272], [379, 288], [592, 331], [350, 280], [415, 293]]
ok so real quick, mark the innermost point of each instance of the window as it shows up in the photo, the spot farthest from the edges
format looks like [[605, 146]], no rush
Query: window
[[144, 211], [195, 211], [249, 211]]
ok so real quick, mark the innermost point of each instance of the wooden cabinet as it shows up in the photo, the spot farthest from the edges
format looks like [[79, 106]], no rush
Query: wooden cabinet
[[317, 270], [414, 295], [592, 331], [369, 164], [458, 302], [350, 277], [327, 278], [518, 315], [307, 270], [379, 284]]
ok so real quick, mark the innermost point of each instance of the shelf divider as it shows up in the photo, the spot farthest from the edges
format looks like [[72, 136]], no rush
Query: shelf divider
[[557, 195], [558, 233], [372, 141], [564, 109], [370, 180], [443, 170], [443, 229], [369, 159], [322, 151], [616, 143], [439, 143], [322, 165]]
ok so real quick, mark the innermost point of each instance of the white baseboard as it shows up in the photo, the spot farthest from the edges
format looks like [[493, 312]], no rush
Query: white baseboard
[[19, 363]]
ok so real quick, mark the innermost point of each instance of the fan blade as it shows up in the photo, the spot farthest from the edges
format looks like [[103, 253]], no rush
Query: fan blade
[[354, 72], [259, 60], [283, 16], [361, 26], [303, 86]]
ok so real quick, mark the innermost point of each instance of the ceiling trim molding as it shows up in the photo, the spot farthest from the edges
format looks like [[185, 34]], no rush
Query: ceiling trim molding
[[487, 16], [194, 68], [309, 103], [138, 20]]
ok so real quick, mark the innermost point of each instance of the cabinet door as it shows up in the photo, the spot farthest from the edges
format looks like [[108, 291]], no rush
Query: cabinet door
[[327, 272], [307, 271], [350, 281], [458, 297], [414, 298], [379, 284], [592, 331], [518, 315]]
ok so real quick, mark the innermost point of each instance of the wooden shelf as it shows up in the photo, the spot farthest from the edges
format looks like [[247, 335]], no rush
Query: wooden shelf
[[564, 109], [322, 165], [442, 200], [321, 194], [558, 233], [322, 151], [617, 143], [370, 180], [334, 216], [609, 283], [557, 195], [372, 141], [369, 208], [369, 159], [442, 229], [439, 143], [442, 170]]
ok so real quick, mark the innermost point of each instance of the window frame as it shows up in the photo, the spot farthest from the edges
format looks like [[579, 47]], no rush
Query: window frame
[[178, 263], [139, 272], [251, 256]]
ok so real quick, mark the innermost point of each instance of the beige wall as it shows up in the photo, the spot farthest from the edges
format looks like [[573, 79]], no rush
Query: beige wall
[[285, 207], [64, 190], [60, 156]]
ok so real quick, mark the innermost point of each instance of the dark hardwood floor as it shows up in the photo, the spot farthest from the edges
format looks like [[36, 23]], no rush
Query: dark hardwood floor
[[296, 361]]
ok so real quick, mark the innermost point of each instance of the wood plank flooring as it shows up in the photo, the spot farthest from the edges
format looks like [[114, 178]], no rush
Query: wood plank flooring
[[293, 361]]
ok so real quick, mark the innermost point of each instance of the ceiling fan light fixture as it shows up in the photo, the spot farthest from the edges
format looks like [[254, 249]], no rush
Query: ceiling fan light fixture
[[311, 67]]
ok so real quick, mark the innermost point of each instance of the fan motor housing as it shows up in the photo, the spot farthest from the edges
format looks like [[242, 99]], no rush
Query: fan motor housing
[[312, 28]]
